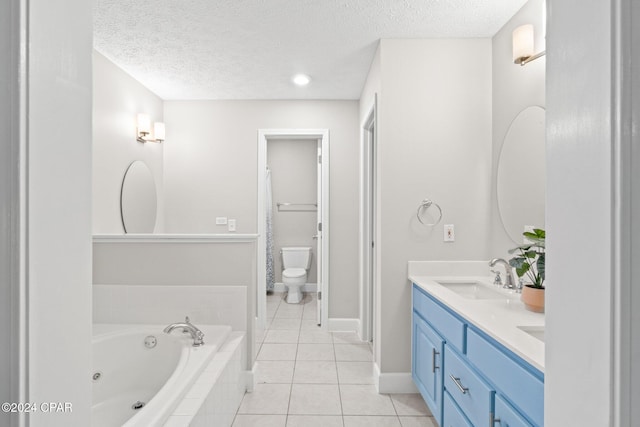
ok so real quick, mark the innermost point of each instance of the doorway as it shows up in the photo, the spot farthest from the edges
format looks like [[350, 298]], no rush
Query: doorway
[[321, 236], [368, 224]]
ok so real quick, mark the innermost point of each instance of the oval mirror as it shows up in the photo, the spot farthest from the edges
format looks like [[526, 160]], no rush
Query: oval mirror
[[522, 172], [138, 199]]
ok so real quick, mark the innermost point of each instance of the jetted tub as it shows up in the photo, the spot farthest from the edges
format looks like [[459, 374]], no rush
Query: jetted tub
[[140, 374]]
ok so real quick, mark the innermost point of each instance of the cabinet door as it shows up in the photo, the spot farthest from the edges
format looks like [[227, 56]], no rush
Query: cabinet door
[[506, 416], [427, 364]]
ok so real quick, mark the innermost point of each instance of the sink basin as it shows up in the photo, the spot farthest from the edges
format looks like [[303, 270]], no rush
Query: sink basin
[[535, 331], [471, 290]]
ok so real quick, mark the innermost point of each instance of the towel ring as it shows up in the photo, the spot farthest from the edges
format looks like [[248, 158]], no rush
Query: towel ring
[[424, 205]]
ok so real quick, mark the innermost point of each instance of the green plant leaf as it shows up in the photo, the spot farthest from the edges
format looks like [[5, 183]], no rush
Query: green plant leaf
[[531, 254], [540, 265], [522, 270]]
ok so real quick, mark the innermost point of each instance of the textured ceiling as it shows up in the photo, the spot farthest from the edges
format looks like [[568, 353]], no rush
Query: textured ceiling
[[249, 49]]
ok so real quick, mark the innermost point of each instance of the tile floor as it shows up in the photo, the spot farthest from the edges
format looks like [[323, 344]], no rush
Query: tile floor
[[308, 378]]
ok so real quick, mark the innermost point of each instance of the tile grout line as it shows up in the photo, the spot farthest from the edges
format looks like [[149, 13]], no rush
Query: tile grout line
[[295, 363], [335, 358]]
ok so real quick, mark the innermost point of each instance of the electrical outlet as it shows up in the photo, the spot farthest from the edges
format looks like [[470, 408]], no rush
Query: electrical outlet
[[232, 225], [449, 233], [221, 220]]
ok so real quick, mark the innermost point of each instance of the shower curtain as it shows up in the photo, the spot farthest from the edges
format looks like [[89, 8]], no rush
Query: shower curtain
[[269, 232]]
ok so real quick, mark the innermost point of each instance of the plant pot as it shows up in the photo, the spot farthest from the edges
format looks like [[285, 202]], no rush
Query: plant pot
[[533, 298]]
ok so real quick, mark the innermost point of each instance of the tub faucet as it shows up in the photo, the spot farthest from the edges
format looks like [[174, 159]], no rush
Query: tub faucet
[[510, 282], [189, 328]]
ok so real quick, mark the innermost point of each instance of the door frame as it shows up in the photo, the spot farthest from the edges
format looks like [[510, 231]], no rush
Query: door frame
[[368, 186], [264, 135]]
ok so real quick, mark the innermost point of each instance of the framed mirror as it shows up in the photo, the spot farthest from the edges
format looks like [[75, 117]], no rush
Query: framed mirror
[[521, 173], [138, 199]]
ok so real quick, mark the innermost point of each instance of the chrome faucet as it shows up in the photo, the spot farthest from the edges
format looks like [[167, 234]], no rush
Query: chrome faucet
[[187, 327], [497, 280], [510, 282]]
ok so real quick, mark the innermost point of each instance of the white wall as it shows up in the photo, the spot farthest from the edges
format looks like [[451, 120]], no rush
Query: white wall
[[434, 118], [59, 205], [579, 214], [117, 99], [294, 174], [372, 89], [210, 170], [514, 88]]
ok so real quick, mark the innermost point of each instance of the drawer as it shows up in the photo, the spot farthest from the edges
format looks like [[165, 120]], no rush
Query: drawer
[[449, 326], [507, 416], [453, 417], [469, 391], [511, 375]]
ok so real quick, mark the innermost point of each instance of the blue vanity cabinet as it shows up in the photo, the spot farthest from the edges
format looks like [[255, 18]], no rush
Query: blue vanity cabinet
[[427, 364], [506, 416], [472, 394], [452, 414], [466, 377]]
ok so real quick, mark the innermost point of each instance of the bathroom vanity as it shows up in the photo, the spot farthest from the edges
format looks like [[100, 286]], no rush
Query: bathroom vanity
[[477, 354]]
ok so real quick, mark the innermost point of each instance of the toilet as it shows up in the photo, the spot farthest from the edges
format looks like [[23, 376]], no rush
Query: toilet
[[295, 263]]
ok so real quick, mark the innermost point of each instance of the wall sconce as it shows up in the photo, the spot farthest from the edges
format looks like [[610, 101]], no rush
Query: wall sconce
[[144, 129], [523, 45]]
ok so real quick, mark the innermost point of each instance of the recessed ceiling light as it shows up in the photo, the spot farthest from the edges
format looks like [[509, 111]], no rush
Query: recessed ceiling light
[[301, 79]]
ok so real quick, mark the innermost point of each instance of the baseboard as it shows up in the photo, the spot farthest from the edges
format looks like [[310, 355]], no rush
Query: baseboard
[[394, 382], [307, 287], [343, 325]]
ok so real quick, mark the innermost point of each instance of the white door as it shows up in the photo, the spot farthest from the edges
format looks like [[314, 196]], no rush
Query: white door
[[320, 279]]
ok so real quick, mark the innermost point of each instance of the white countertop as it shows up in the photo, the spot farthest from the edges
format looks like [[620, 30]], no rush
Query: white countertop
[[498, 318]]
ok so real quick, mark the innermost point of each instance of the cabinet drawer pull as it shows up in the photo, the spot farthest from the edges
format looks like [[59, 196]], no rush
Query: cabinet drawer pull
[[462, 389], [433, 360]]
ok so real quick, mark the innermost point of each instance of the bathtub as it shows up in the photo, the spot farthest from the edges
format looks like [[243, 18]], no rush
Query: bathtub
[[141, 374]]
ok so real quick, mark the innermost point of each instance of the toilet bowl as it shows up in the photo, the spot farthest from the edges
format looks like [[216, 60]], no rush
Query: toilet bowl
[[295, 262]]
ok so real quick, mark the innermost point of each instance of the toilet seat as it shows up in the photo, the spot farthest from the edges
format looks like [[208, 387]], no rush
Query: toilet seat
[[294, 273]]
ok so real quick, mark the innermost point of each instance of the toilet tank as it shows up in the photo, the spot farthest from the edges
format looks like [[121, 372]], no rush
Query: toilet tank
[[296, 257]]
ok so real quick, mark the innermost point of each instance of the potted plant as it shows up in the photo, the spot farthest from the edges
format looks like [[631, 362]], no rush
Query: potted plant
[[529, 260]]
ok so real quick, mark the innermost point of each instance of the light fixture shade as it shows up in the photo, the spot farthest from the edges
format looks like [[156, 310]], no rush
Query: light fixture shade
[[301, 79], [144, 124], [522, 43], [158, 131]]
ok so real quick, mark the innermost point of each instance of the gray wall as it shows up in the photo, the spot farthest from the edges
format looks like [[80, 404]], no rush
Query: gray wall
[[117, 99], [293, 165], [513, 89], [210, 170], [631, 313], [9, 220], [434, 129]]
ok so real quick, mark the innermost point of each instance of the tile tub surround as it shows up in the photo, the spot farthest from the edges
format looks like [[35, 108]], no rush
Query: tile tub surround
[[324, 379], [496, 318], [215, 397]]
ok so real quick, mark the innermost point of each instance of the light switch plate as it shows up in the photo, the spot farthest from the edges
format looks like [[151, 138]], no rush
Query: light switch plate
[[221, 220], [232, 225], [449, 233]]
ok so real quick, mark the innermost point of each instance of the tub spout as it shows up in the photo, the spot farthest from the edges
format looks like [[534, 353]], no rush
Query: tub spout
[[189, 328]]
